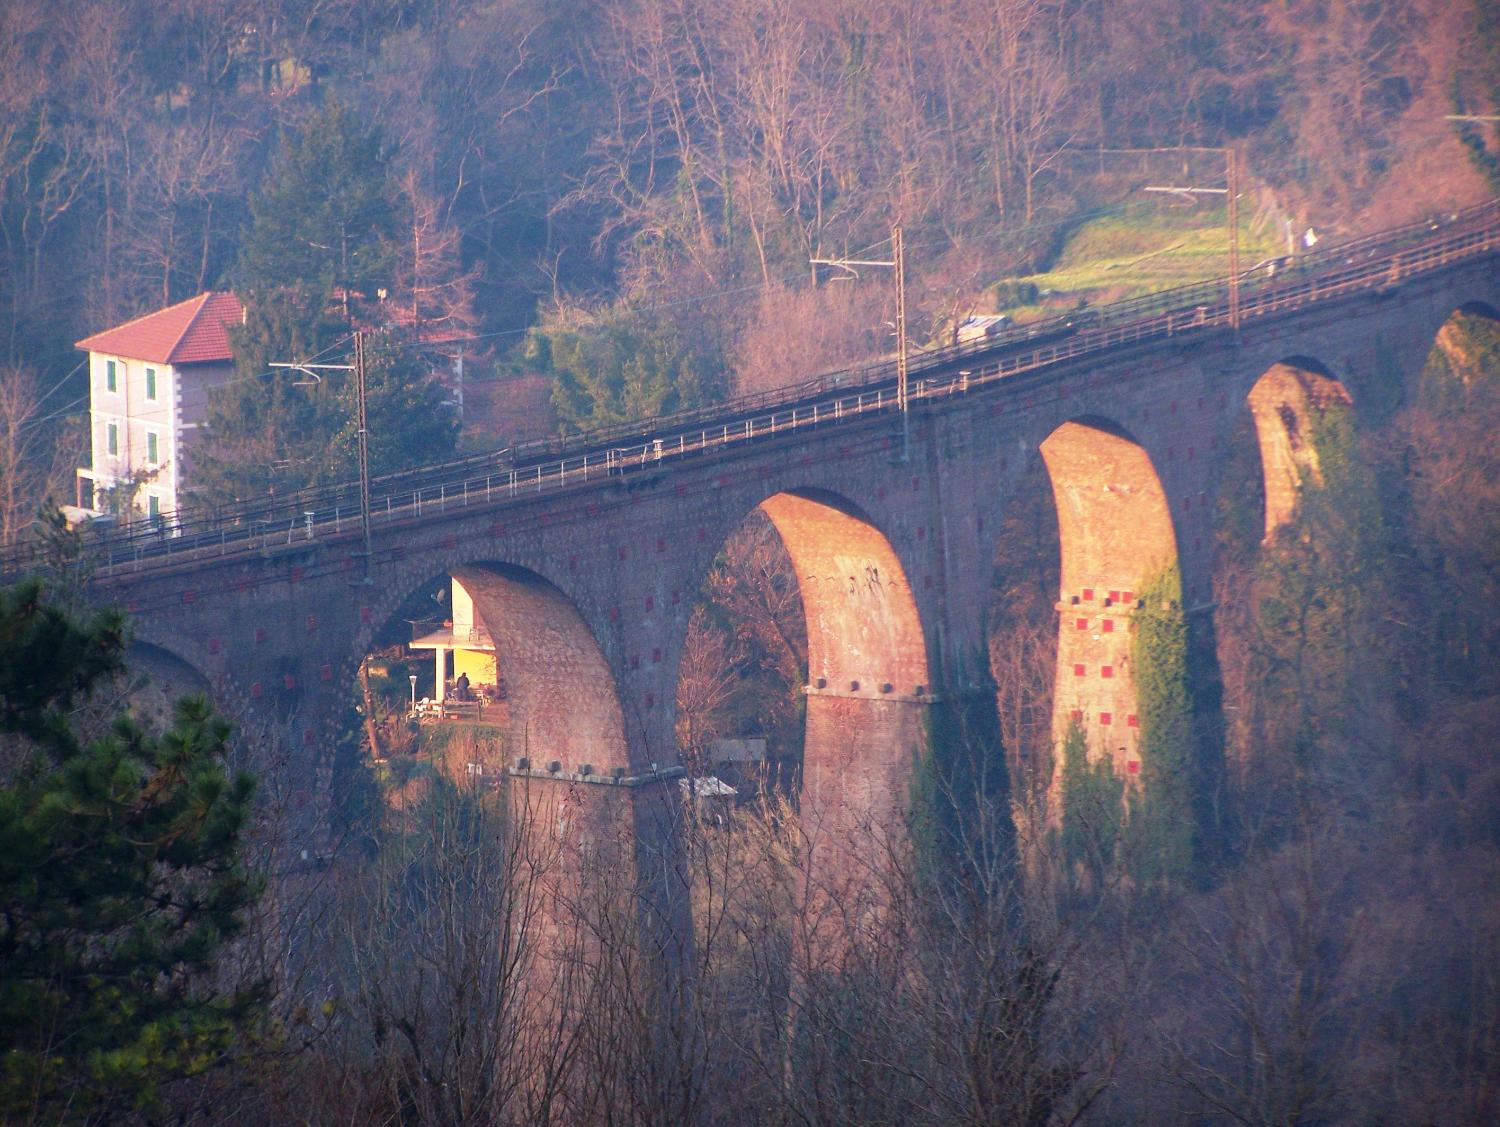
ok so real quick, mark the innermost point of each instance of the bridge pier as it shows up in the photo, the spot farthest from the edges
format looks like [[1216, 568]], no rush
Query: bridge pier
[[1283, 404], [591, 590], [1094, 682], [599, 850], [860, 760], [600, 862], [1117, 538]]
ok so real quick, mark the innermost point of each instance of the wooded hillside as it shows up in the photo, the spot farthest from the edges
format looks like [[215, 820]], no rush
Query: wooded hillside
[[692, 156], [1289, 919]]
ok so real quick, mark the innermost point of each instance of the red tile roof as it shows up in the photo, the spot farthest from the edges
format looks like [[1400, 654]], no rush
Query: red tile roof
[[190, 332]]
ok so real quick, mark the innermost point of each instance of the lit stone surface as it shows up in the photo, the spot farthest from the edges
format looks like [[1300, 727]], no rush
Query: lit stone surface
[[591, 589]]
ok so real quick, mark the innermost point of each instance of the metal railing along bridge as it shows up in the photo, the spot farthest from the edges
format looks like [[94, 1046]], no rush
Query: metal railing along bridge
[[1024, 357]]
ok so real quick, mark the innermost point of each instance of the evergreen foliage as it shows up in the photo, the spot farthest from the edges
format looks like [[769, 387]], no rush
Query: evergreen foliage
[[1320, 580], [409, 422], [621, 367], [50, 663], [121, 877], [283, 431], [326, 214], [1159, 840], [266, 424], [1091, 806], [323, 241]]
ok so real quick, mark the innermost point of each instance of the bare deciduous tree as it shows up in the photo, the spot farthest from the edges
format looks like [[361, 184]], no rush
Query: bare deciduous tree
[[796, 334], [190, 183], [37, 458]]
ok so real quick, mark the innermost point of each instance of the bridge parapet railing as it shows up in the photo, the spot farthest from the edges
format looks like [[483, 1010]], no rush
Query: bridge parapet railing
[[507, 474]]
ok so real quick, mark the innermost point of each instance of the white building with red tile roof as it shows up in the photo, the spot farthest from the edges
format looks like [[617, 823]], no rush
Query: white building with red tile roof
[[149, 381]]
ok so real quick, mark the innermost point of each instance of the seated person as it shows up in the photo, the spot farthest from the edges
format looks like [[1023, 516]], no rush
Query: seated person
[[461, 687]]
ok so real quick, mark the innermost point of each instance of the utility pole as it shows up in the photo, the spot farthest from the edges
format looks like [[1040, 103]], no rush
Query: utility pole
[[898, 262], [361, 419], [1232, 176], [898, 253], [1231, 192], [364, 444]]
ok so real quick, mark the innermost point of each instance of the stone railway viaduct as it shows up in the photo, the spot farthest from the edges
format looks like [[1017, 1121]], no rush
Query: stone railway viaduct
[[587, 591]]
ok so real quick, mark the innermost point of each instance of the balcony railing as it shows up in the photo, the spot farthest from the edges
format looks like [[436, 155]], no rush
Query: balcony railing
[[461, 635]]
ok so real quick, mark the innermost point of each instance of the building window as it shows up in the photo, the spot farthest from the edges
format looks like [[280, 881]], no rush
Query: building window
[[112, 438], [153, 506], [150, 383], [153, 452], [111, 378]]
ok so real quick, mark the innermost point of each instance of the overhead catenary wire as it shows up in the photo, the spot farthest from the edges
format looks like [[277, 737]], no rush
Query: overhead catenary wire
[[998, 231], [1332, 276], [160, 413]]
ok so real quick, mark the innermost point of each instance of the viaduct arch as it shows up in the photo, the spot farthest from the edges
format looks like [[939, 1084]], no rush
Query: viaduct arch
[[868, 676], [1284, 405], [563, 706], [158, 678], [1116, 538], [284, 629]]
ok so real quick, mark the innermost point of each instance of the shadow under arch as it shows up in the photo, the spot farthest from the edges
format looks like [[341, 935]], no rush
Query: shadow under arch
[[1115, 537], [562, 706], [1285, 403], [157, 678], [1479, 309], [1455, 348]]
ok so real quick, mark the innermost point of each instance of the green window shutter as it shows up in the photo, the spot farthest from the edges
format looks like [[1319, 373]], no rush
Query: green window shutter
[[150, 383], [111, 378], [112, 438], [151, 449]]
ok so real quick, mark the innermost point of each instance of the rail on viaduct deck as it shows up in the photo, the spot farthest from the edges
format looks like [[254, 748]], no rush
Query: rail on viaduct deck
[[585, 557]]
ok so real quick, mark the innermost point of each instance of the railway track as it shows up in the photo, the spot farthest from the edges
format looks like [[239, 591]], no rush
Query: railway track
[[1025, 355]]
